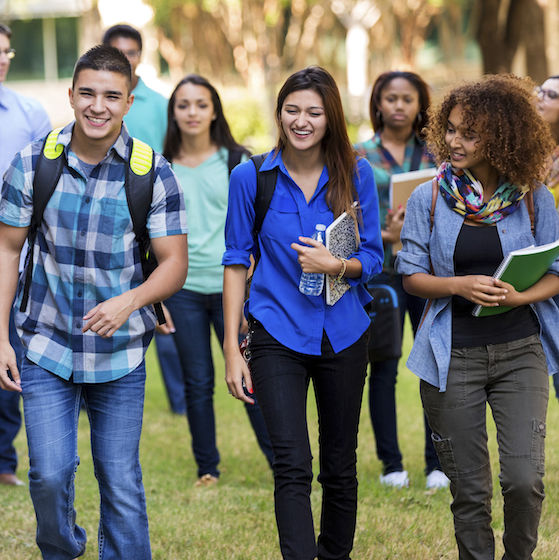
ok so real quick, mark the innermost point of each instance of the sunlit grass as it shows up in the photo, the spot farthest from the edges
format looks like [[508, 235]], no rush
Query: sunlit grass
[[235, 520]]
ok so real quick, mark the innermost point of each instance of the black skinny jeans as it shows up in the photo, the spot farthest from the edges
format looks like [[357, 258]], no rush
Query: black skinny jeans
[[281, 380]]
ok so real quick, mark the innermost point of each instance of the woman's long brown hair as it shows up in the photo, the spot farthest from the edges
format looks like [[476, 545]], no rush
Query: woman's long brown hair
[[220, 133], [339, 154]]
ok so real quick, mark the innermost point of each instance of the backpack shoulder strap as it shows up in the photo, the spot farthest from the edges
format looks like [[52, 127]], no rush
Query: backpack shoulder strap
[[139, 194], [434, 196], [529, 200], [265, 187], [139, 186], [234, 157], [47, 174]]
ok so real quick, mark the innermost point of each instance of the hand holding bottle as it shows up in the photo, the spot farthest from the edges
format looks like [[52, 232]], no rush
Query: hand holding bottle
[[315, 260]]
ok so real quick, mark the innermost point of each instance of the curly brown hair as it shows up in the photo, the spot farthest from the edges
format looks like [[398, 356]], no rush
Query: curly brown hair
[[500, 108]]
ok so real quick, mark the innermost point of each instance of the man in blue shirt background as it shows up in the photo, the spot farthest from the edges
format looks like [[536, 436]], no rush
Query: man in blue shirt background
[[147, 120], [22, 120]]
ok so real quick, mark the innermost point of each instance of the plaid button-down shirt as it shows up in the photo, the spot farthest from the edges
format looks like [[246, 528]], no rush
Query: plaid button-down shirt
[[384, 167], [85, 253]]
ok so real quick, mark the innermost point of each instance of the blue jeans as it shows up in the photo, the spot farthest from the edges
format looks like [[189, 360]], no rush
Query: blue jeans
[[52, 406], [281, 380], [171, 371], [193, 315], [10, 416], [382, 390]]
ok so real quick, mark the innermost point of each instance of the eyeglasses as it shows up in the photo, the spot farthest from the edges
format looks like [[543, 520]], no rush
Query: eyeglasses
[[551, 94], [10, 53], [132, 54]]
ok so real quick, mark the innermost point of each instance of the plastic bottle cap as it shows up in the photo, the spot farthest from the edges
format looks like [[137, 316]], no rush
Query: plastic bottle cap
[[320, 227]]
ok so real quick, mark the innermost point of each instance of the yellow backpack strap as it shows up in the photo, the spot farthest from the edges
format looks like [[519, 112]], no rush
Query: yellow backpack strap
[[141, 159], [52, 149]]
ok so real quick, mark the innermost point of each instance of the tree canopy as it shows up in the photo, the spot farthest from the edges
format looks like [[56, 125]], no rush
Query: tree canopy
[[258, 42]]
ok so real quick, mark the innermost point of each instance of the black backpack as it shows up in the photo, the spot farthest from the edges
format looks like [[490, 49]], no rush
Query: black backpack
[[138, 185], [265, 187]]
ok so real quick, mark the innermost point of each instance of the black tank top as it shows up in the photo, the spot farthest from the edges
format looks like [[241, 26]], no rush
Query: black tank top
[[478, 251]]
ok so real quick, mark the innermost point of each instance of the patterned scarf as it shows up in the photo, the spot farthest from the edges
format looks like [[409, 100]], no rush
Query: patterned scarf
[[464, 195]]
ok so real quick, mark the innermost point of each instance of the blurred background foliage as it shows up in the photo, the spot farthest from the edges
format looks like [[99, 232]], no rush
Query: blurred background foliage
[[248, 47], [258, 40], [255, 44]]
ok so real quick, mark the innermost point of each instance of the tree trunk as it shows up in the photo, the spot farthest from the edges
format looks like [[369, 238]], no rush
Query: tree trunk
[[499, 42], [535, 42], [488, 36]]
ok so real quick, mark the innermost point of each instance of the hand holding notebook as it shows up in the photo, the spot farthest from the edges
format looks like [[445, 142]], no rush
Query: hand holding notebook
[[522, 268], [341, 241]]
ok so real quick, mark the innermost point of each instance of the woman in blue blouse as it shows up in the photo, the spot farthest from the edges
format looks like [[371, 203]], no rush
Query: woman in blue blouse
[[493, 149], [198, 143], [398, 110], [297, 338]]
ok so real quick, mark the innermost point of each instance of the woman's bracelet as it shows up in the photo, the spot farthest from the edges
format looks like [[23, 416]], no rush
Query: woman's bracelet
[[342, 269]]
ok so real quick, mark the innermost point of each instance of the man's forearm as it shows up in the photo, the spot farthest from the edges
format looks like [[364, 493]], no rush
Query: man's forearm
[[11, 242], [166, 280]]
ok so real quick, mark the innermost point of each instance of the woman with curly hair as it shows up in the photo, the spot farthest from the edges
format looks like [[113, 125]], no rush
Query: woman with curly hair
[[492, 147]]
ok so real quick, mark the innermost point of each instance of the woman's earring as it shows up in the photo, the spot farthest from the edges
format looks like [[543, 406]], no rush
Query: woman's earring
[[419, 119], [379, 116]]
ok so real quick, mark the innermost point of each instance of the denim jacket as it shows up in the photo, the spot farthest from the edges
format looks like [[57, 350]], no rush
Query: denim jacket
[[429, 358]]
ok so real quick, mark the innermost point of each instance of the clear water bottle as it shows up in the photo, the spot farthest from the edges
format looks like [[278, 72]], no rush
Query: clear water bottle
[[311, 283]]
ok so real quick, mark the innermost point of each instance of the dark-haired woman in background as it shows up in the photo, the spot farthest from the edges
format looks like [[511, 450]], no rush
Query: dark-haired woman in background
[[297, 338], [548, 108], [198, 144], [493, 149], [398, 110]]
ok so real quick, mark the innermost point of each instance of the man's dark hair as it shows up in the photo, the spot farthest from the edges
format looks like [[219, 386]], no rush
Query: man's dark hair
[[122, 30], [103, 57], [5, 30]]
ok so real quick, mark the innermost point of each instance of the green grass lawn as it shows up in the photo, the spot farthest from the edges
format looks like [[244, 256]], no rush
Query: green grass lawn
[[235, 520]]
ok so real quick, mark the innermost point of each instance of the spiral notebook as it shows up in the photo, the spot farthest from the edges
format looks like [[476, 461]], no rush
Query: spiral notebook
[[341, 241], [522, 268]]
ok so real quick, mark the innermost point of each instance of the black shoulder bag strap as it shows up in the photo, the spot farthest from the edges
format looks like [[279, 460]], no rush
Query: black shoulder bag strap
[[234, 157], [265, 187], [47, 174], [416, 156], [139, 193]]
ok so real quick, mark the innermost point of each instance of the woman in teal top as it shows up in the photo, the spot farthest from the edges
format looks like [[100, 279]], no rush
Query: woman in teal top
[[398, 109], [198, 144]]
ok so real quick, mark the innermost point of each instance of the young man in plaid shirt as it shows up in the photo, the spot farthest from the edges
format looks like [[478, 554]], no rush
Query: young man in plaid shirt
[[89, 318]]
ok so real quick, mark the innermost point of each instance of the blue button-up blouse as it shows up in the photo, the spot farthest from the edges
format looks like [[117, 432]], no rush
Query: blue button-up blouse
[[295, 320], [429, 358]]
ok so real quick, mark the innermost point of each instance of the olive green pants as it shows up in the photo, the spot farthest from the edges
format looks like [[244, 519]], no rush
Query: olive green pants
[[512, 378]]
